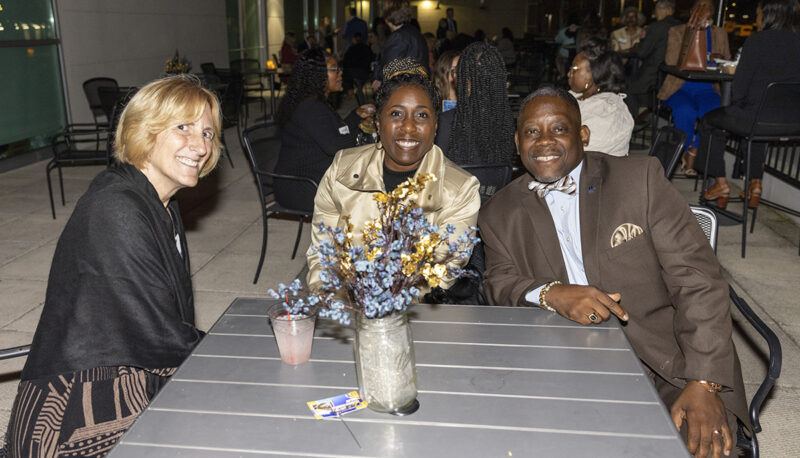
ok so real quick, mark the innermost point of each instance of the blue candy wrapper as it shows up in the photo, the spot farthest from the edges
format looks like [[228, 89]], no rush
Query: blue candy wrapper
[[337, 405]]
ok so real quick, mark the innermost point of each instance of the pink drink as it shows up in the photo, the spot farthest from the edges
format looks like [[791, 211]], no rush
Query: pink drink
[[294, 334]]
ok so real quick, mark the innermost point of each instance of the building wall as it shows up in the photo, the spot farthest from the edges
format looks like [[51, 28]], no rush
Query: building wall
[[131, 40], [275, 27]]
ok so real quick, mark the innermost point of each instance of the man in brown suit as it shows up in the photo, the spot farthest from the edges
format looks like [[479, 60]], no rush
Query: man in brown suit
[[588, 236]]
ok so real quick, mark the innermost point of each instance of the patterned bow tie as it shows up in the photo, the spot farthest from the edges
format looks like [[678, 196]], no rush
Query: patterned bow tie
[[566, 185]]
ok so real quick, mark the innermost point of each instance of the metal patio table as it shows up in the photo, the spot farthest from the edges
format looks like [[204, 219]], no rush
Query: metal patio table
[[725, 80], [493, 381]]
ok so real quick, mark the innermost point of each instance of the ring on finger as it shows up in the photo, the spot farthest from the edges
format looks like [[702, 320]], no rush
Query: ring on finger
[[592, 317], [716, 431]]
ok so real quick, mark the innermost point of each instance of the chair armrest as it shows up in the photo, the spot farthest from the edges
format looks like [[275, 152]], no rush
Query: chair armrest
[[8, 353], [288, 177]]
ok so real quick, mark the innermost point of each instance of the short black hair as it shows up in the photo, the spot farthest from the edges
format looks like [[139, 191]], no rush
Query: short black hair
[[780, 15], [352, 12], [550, 91], [608, 72]]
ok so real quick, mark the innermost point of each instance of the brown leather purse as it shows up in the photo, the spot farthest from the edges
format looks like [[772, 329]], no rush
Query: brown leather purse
[[694, 49]]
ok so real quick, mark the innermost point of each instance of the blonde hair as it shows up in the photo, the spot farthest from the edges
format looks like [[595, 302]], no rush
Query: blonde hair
[[159, 105]]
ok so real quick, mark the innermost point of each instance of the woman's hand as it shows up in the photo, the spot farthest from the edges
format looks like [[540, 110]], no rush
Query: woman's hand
[[365, 111]]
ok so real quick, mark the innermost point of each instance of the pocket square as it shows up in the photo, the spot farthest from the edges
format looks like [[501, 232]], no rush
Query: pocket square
[[625, 232]]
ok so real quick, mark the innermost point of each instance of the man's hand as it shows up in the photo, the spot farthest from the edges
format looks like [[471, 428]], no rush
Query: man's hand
[[582, 303], [375, 85], [706, 421]]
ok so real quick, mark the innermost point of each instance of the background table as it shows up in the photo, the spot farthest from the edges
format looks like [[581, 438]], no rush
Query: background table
[[493, 381], [725, 80]]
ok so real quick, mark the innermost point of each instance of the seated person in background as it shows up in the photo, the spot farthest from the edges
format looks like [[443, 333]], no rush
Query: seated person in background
[[404, 41], [311, 131], [650, 51], [444, 77], [773, 54], [406, 119], [431, 41], [308, 43], [591, 26], [565, 38], [597, 79], [118, 316], [288, 55], [588, 236], [627, 37], [691, 100], [356, 62], [480, 130], [505, 46]]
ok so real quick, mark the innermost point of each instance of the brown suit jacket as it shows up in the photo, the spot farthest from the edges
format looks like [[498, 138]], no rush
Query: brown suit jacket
[[719, 45], [669, 278]]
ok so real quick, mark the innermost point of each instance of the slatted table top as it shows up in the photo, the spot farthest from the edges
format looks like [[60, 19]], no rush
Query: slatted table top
[[493, 381]]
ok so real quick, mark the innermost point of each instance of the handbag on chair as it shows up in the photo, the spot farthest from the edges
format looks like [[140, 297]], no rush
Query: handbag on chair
[[694, 49]]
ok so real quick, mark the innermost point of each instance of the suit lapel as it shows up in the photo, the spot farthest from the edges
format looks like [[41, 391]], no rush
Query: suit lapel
[[544, 229], [590, 197]]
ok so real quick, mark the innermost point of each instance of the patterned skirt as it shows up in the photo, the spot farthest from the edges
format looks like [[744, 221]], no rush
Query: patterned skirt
[[79, 414]]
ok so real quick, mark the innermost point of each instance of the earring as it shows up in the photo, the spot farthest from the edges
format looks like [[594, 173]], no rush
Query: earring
[[586, 86], [378, 145]]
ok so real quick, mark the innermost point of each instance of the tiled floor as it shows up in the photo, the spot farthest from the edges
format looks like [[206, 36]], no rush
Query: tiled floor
[[223, 223]]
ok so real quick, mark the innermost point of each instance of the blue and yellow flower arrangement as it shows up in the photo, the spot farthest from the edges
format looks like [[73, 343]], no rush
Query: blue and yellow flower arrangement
[[383, 274]]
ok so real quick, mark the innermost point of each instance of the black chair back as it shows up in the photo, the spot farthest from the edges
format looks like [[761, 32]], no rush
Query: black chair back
[[91, 88], [208, 68], [114, 102], [667, 147], [249, 68], [708, 222], [262, 145], [491, 176], [231, 102], [778, 115]]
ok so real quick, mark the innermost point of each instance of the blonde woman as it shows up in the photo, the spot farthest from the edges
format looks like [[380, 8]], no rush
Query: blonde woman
[[118, 315]]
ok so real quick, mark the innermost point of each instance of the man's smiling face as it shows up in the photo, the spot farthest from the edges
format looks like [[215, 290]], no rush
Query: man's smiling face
[[550, 138]]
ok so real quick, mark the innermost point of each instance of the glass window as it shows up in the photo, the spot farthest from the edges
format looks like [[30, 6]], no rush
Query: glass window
[[32, 93]]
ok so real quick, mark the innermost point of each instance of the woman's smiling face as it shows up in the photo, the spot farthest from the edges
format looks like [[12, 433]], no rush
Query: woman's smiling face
[[407, 126]]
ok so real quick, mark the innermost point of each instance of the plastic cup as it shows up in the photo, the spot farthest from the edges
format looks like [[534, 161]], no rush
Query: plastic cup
[[294, 334]]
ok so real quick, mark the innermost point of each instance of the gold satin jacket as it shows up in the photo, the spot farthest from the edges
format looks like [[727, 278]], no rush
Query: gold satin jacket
[[357, 173]]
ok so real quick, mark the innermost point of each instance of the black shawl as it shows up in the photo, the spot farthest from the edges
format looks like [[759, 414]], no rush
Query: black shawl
[[119, 293]]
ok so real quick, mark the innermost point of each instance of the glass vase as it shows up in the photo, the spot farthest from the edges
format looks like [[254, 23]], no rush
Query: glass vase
[[387, 373]]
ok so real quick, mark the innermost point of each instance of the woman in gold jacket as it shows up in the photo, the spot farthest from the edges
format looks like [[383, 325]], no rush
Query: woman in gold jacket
[[407, 111]]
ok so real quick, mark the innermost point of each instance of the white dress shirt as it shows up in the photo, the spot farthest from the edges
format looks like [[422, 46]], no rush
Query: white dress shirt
[[565, 211]]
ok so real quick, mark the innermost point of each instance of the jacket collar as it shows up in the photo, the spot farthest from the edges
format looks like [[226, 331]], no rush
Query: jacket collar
[[365, 174], [590, 197]]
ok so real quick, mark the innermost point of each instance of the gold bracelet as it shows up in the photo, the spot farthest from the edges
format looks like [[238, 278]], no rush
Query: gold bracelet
[[711, 387], [543, 294]]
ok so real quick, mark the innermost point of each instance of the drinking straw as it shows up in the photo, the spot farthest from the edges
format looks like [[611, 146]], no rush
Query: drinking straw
[[288, 314]]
